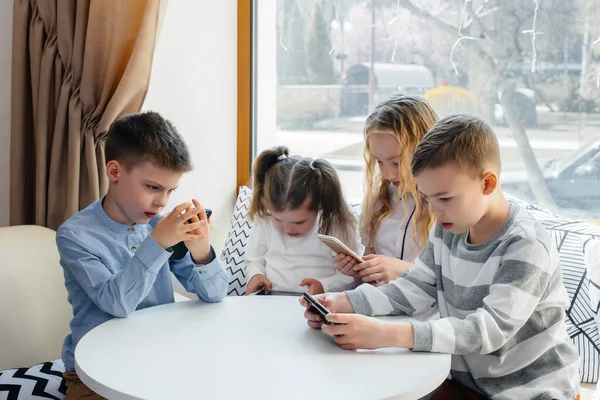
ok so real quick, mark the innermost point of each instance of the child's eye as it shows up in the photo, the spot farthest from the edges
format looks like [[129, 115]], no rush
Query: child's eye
[[171, 191], [445, 199], [395, 164], [379, 162], [152, 187]]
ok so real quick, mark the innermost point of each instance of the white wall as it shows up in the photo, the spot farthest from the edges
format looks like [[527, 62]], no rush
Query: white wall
[[5, 68], [194, 84]]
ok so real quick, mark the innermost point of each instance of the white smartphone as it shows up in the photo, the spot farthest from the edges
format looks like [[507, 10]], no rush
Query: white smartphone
[[338, 247]]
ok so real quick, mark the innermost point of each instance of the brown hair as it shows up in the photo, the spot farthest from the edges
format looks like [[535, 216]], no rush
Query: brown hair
[[147, 136], [409, 117], [464, 140], [283, 183]]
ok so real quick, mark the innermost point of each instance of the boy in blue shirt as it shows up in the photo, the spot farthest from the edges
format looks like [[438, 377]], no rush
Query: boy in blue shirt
[[116, 253]]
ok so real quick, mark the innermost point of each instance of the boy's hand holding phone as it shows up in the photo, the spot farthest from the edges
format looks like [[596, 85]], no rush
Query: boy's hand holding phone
[[199, 243], [174, 228], [334, 302], [257, 282], [354, 331]]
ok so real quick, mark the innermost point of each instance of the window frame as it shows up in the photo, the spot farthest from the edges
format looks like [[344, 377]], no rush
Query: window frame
[[245, 90]]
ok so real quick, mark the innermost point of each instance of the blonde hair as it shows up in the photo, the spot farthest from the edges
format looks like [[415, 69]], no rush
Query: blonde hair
[[409, 117], [463, 140]]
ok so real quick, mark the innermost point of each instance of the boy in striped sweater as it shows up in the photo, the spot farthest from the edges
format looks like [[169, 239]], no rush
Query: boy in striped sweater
[[490, 270]]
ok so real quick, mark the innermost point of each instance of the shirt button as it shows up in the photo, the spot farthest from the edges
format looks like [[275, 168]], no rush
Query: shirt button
[[134, 249], [131, 229]]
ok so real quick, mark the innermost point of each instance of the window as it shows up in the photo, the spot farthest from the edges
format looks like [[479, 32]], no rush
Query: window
[[314, 60]]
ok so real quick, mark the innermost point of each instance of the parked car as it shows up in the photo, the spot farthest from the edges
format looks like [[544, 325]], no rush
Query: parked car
[[573, 180]]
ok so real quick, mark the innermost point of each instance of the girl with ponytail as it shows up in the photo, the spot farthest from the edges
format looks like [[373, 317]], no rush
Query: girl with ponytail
[[294, 199]]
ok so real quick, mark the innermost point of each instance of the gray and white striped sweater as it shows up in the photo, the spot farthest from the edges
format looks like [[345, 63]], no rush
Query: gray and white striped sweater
[[501, 305]]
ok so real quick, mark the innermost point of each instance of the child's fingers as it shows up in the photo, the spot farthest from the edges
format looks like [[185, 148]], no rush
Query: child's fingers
[[371, 270], [202, 213], [370, 257], [314, 325], [366, 264], [374, 277], [312, 289], [343, 340], [339, 257], [267, 283], [312, 316], [345, 267], [334, 330], [180, 209], [339, 318], [305, 282], [193, 212], [192, 226]]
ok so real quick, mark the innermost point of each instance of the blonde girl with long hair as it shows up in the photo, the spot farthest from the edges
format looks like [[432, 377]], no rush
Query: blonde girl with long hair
[[395, 218]]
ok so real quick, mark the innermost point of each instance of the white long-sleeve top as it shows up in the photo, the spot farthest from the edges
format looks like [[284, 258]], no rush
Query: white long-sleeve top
[[287, 260], [394, 237]]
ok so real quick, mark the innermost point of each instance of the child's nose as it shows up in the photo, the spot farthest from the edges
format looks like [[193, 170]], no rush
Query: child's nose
[[436, 211], [389, 174], [161, 201]]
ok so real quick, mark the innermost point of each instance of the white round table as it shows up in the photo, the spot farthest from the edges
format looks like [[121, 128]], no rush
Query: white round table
[[255, 347]]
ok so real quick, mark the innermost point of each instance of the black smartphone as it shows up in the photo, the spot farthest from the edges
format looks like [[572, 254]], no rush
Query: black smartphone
[[208, 214], [317, 308], [260, 292], [180, 249]]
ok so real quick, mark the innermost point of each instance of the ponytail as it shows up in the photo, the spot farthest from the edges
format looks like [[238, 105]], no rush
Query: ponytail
[[263, 164], [336, 217]]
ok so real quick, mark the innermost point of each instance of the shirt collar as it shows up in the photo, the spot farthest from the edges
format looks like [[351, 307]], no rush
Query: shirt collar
[[106, 220]]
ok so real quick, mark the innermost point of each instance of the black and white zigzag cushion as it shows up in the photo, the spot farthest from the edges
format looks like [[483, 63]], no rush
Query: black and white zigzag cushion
[[234, 250], [42, 381], [569, 236], [591, 249]]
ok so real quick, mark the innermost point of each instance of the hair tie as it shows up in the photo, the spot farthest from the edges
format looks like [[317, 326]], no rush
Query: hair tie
[[312, 166], [281, 157]]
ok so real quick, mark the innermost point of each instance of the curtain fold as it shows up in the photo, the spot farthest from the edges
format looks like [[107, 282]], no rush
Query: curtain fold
[[77, 65]]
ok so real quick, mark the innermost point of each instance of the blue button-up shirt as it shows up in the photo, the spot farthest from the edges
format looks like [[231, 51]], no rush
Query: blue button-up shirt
[[113, 269]]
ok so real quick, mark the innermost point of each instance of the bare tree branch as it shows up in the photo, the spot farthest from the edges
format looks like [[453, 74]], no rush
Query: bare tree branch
[[447, 28]]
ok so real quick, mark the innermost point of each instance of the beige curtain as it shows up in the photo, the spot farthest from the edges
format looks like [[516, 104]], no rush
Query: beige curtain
[[77, 65]]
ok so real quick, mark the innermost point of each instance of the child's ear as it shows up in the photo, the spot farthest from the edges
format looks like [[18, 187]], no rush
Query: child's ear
[[113, 170], [490, 182]]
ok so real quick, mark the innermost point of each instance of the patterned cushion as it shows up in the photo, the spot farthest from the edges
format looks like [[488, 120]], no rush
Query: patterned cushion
[[582, 329], [235, 246], [42, 381], [591, 249]]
